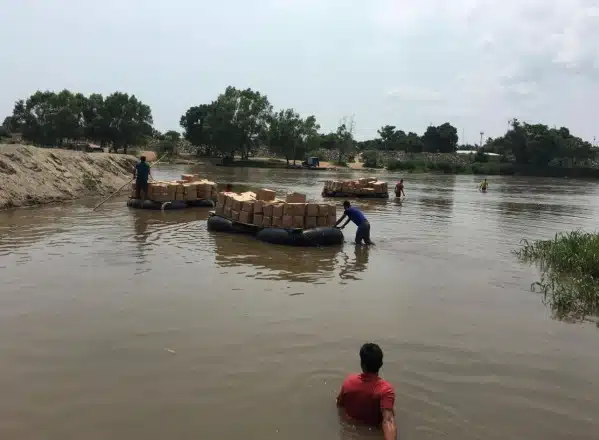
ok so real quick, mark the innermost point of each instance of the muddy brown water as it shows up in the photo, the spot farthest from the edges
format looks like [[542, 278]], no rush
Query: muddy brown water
[[122, 324]]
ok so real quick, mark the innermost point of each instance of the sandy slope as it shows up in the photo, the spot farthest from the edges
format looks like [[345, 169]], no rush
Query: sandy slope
[[30, 175]]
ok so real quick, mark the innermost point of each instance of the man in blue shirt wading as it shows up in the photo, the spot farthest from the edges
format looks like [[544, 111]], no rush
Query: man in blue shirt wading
[[356, 216], [141, 175]]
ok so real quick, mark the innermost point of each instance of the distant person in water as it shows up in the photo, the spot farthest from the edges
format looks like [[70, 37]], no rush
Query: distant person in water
[[141, 174], [366, 398], [484, 185], [356, 216], [399, 189], [229, 188]]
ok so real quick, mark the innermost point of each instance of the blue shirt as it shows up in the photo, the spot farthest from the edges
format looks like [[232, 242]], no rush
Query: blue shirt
[[142, 171], [355, 215]]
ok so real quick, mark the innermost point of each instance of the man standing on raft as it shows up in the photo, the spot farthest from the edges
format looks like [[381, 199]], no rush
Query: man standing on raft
[[141, 174], [356, 216]]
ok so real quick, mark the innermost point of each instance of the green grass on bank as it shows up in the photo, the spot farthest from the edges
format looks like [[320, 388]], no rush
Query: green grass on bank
[[569, 266]]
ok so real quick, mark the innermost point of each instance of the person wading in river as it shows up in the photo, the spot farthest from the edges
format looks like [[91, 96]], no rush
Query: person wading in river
[[356, 216], [399, 189], [366, 398], [141, 174]]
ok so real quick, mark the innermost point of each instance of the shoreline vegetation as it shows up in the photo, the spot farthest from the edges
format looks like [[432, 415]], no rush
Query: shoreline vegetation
[[569, 280], [242, 123]]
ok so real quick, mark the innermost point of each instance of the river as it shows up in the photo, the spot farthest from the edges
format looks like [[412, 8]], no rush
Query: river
[[121, 324]]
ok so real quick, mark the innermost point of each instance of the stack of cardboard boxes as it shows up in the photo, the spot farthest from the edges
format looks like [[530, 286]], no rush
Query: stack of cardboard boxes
[[364, 186], [264, 210], [189, 188]]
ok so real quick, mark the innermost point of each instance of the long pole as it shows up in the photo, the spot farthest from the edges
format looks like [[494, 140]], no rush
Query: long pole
[[127, 183]]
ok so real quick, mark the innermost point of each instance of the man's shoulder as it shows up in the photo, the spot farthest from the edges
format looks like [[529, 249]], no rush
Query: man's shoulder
[[385, 385], [352, 379]]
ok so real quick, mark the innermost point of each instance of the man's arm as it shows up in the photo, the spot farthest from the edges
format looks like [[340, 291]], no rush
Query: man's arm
[[341, 219], [389, 426], [387, 403]]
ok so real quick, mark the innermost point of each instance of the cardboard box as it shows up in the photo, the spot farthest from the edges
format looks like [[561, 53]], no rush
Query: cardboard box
[[267, 209], [323, 221], [246, 217], [332, 211], [229, 200], [332, 221], [219, 210], [277, 222], [236, 203], [287, 221], [227, 212], [266, 195], [323, 209], [294, 209], [277, 210], [221, 198], [258, 207], [266, 222], [247, 206], [258, 219], [312, 210], [295, 198], [298, 221], [311, 222], [235, 215]]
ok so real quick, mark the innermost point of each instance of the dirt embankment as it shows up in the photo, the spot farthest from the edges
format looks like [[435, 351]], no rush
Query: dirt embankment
[[31, 176]]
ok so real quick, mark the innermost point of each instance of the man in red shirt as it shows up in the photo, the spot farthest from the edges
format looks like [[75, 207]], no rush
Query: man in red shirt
[[367, 398]]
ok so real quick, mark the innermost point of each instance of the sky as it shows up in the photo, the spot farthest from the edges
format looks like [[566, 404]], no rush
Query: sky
[[409, 63]]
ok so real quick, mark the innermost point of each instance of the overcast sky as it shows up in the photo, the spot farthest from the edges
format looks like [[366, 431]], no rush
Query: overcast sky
[[474, 63]]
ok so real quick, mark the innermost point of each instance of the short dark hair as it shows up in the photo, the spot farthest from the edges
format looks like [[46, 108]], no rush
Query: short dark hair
[[142, 158], [371, 358], [346, 204]]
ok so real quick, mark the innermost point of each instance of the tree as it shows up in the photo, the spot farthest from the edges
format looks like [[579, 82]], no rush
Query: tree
[[129, 120], [345, 139], [291, 136], [442, 139]]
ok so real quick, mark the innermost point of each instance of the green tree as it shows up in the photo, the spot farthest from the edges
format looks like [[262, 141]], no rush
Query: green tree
[[442, 139], [129, 120], [290, 136]]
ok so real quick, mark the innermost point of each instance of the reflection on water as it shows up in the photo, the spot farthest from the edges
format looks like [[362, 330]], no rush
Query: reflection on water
[[142, 324]]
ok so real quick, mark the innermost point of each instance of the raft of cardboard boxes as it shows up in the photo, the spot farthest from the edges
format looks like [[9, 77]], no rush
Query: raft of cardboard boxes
[[364, 186], [190, 188], [262, 209]]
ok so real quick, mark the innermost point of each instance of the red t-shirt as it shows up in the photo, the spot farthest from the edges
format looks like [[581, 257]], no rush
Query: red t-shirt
[[365, 396]]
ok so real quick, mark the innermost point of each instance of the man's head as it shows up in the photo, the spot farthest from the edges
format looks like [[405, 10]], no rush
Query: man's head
[[371, 358], [346, 204], [229, 187], [142, 158], [400, 180], [485, 180]]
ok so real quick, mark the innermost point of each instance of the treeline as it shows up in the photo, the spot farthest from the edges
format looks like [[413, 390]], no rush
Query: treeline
[[243, 122], [240, 122], [51, 119]]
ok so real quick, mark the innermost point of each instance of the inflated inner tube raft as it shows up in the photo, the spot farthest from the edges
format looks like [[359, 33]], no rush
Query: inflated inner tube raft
[[174, 204], [324, 236]]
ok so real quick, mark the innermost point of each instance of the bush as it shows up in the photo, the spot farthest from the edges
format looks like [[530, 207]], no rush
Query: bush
[[370, 159], [569, 272]]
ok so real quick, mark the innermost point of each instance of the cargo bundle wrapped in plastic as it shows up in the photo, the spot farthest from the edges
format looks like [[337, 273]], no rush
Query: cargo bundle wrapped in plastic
[[364, 187], [263, 210]]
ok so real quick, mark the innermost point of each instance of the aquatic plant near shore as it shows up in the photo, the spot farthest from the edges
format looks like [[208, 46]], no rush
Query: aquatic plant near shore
[[569, 272]]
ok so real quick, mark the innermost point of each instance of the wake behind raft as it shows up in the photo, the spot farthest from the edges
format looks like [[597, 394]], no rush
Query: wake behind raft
[[291, 222]]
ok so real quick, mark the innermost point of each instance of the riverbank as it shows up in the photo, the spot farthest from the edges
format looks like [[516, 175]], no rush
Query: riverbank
[[33, 176]]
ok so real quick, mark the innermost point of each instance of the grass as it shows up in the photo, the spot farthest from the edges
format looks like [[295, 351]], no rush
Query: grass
[[569, 272]]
